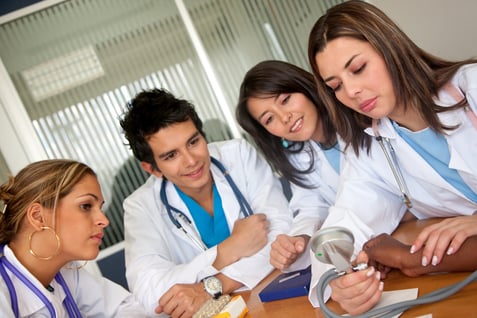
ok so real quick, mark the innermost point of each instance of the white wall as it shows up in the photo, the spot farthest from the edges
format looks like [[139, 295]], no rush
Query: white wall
[[19, 143], [445, 28]]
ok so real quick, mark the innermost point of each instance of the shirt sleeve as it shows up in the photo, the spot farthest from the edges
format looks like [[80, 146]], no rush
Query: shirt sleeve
[[100, 297], [364, 204], [263, 191], [310, 210], [310, 205], [156, 258]]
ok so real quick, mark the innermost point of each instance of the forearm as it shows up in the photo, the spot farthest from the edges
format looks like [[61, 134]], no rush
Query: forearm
[[229, 285], [226, 254]]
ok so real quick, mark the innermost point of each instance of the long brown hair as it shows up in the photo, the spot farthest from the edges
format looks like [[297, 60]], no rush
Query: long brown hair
[[416, 75]]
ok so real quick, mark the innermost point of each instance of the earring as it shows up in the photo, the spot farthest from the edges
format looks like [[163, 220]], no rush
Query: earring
[[58, 244], [285, 143]]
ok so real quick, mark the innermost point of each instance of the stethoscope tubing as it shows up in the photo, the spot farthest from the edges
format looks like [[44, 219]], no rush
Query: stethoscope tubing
[[244, 205], [396, 170], [393, 163], [391, 310], [69, 303]]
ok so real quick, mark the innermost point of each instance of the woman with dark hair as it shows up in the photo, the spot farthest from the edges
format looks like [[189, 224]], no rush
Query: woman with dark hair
[[413, 114], [280, 109]]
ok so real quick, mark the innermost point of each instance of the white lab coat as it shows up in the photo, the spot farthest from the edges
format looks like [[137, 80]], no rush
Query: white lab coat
[[310, 205], [369, 201], [158, 255], [94, 297]]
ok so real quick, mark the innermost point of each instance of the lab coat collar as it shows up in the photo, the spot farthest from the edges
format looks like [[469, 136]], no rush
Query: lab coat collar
[[28, 301], [229, 202], [385, 128]]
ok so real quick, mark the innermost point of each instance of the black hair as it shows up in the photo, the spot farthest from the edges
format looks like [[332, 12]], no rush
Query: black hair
[[150, 111], [272, 78]]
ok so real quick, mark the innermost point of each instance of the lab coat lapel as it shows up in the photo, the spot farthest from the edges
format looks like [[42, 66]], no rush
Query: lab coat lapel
[[462, 141], [412, 164], [462, 145], [229, 202], [175, 201]]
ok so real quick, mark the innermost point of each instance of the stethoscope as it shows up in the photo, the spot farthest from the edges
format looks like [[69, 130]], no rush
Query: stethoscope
[[69, 302], [244, 206], [393, 164]]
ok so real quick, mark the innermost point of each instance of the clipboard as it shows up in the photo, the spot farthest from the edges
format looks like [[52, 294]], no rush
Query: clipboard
[[287, 285]]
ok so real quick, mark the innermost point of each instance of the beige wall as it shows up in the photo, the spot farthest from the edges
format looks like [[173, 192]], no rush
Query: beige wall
[[446, 28]]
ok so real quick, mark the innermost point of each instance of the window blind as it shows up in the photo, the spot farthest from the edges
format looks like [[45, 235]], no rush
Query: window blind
[[76, 64]]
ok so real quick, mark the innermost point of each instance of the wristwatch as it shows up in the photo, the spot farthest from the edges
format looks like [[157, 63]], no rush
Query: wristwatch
[[213, 286]]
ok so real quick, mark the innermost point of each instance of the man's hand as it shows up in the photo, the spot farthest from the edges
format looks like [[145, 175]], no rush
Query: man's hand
[[286, 249], [248, 236], [183, 300]]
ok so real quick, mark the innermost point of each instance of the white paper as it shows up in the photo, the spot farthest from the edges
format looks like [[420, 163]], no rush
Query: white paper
[[396, 296]]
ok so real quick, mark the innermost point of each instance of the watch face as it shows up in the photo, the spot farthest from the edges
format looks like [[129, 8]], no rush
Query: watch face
[[213, 286]]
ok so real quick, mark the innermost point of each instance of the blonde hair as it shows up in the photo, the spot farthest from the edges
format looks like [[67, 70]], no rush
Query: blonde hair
[[44, 182]]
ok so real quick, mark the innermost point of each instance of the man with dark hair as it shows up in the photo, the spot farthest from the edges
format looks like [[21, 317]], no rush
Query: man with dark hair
[[203, 222]]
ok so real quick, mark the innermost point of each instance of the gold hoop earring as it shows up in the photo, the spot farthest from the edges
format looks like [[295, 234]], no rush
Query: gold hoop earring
[[77, 267], [58, 244]]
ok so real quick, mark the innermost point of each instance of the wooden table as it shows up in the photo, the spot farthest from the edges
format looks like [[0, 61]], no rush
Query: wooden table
[[461, 304]]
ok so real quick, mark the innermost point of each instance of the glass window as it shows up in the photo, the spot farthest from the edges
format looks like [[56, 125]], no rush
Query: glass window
[[76, 64]]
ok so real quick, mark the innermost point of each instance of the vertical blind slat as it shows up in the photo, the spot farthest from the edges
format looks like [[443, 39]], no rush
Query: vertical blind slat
[[139, 45]]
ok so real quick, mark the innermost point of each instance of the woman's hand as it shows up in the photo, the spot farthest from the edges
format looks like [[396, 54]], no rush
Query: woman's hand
[[357, 292], [445, 237], [286, 249]]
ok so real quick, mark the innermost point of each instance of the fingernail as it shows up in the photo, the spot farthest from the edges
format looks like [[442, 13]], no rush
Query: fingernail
[[370, 271], [381, 286], [413, 249], [434, 260], [450, 251], [424, 261], [378, 275]]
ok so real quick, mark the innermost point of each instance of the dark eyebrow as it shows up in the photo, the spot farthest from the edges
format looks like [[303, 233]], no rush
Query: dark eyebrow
[[195, 135], [164, 155], [345, 67], [263, 114]]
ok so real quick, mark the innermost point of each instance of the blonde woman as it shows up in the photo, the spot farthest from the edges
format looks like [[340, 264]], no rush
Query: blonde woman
[[51, 216]]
